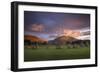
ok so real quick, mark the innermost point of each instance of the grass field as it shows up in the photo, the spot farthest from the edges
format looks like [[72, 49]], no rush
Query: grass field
[[50, 52]]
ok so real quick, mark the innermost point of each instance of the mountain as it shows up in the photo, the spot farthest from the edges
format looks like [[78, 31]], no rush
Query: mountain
[[28, 39], [33, 39], [63, 40]]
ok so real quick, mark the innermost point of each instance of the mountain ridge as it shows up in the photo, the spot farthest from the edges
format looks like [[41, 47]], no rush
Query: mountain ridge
[[33, 38]]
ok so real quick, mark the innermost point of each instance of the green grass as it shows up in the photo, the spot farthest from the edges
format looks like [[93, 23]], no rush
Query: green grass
[[50, 52]]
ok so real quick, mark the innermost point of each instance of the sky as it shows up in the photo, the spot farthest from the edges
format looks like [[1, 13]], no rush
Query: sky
[[49, 25]]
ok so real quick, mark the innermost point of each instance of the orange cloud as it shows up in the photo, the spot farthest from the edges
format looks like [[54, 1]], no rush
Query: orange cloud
[[37, 27], [71, 33]]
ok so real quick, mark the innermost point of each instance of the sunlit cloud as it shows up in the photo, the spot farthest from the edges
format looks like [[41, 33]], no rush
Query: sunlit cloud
[[72, 33], [37, 27], [49, 25]]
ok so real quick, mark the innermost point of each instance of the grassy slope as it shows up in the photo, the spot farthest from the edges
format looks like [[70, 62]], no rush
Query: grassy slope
[[51, 53]]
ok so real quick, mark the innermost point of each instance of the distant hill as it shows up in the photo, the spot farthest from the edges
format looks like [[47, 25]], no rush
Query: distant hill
[[67, 40], [62, 40], [28, 39], [33, 39]]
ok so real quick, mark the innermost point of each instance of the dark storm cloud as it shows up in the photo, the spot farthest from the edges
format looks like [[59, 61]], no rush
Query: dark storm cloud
[[50, 23]]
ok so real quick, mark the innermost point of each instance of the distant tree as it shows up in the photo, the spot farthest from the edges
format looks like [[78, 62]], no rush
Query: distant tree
[[27, 42]]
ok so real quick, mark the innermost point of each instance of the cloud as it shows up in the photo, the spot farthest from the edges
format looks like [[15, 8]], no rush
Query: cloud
[[85, 31], [77, 21], [71, 33], [37, 27], [53, 36]]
